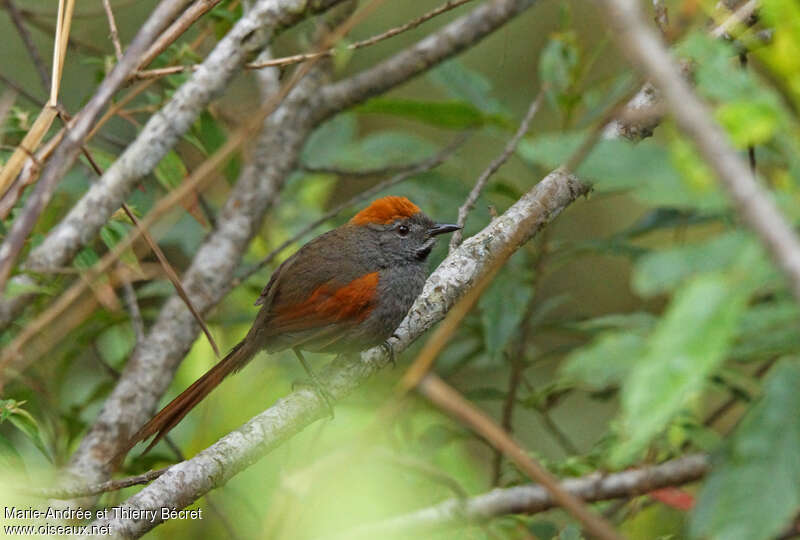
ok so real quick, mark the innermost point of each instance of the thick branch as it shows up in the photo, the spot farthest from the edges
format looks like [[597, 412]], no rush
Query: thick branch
[[150, 369], [446, 42], [70, 146], [753, 202], [248, 35], [187, 481], [531, 499]]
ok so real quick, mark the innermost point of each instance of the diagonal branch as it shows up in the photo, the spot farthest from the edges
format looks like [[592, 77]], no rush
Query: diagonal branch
[[461, 270], [71, 144], [753, 202], [532, 499]]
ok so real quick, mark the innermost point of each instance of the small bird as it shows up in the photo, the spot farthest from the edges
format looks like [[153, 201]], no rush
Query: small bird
[[344, 291]]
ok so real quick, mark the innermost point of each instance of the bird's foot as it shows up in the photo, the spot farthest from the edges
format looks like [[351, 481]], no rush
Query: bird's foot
[[389, 350], [319, 387]]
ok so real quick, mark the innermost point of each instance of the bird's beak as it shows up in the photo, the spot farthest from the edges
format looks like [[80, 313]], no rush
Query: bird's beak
[[442, 228]]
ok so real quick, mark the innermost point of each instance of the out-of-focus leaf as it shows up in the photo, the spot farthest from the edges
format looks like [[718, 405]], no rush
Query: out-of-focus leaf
[[606, 361], [447, 114], [559, 71], [636, 322], [468, 85], [663, 271], [685, 347], [170, 171], [328, 140], [767, 330], [644, 168], [10, 459], [11, 411], [753, 491], [748, 123], [485, 394], [503, 305]]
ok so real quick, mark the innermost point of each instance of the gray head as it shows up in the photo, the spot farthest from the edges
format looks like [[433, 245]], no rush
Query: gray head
[[403, 233]]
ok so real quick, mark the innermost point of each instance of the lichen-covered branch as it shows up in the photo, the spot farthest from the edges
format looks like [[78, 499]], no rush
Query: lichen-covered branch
[[437, 47], [152, 364], [531, 499], [754, 204], [248, 36], [187, 481]]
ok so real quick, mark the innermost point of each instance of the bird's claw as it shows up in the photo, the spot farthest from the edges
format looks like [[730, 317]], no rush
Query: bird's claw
[[389, 350]]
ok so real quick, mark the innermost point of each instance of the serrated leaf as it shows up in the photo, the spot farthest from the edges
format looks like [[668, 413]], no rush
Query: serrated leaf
[[753, 491], [689, 342]]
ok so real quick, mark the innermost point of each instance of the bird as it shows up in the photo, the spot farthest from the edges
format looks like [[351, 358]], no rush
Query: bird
[[342, 292]]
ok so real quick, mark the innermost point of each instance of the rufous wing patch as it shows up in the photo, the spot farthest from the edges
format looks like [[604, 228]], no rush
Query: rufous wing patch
[[351, 303], [386, 210]]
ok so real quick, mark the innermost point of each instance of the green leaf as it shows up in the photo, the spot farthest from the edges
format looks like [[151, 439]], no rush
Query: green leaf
[[446, 114], [606, 361], [645, 169], [747, 122], [170, 171], [753, 491], [663, 271], [468, 85], [11, 411], [503, 306], [685, 347]]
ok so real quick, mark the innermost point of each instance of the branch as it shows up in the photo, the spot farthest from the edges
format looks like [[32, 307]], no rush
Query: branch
[[532, 499], [71, 144], [208, 280], [446, 42], [462, 269], [152, 364], [754, 204], [162, 131], [483, 179]]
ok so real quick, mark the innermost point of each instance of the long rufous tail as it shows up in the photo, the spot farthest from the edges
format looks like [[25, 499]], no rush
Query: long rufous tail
[[179, 407]]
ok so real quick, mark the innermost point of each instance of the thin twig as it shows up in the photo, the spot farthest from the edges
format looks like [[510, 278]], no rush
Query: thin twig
[[133, 308], [76, 491], [496, 163], [753, 203], [162, 259], [10, 355], [448, 399], [30, 46], [297, 58], [112, 28], [68, 151], [177, 28], [533, 499], [409, 172]]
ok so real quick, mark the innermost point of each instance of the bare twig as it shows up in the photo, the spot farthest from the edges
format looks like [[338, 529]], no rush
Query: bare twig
[[162, 259], [496, 163], [176, 29], [447, 398], [112, 28], [16, 18], [297, 58], [532, 499], [68, 151], [133, 308], [738, 17], [187, 481], [752, 202], [77, 490]]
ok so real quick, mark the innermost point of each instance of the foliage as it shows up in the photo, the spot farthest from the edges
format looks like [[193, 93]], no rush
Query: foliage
[[625, 326]]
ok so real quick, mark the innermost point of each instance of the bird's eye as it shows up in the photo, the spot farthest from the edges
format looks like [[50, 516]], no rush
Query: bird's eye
[[403, 230]]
